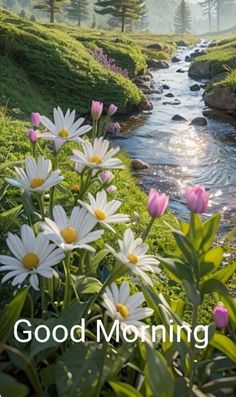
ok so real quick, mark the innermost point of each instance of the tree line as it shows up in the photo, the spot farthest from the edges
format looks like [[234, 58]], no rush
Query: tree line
[[126, 14]]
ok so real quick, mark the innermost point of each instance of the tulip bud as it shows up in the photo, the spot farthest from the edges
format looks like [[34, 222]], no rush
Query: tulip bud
[[35, 119], [33, 136], [96, 110], [106, 176], [221, 316], [112, 110], [116, 128], [157, 203], [197, 199], [112, 189]]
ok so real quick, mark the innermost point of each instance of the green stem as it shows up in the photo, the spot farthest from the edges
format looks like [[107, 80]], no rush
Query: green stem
[[52, 190], [67, 292], [95, 128], [104, 353], [148, 228], [41, 205], [33, 146], [43, 300], [192, 348]]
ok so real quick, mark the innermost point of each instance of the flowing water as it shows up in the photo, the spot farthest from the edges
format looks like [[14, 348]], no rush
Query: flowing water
[[180, 154]]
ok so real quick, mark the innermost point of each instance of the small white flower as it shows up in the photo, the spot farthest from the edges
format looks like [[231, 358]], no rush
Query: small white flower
[[37, 176], [64, 128], [125, 308], [75, 232], [33, 257], [104, 211], [132, 254], [97, 155]]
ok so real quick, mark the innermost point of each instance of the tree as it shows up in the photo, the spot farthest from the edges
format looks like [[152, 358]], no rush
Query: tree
[[208, 9], [123, 10], [50, 6], [78, 10], [183, 18]]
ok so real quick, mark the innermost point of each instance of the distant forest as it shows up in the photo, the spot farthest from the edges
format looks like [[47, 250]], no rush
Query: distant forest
[[140, 15]]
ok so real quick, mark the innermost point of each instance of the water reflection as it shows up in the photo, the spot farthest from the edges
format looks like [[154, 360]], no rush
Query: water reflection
[[181, 154]]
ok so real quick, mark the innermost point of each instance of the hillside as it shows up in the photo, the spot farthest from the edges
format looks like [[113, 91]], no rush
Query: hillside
[[55, 68]]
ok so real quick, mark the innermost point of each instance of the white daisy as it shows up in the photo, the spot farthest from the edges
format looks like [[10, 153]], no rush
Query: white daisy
[[37, 176], [132, 254], [75, 232], [104, 211], [64, 128], [97, 155], [33, 256], [125, 308]]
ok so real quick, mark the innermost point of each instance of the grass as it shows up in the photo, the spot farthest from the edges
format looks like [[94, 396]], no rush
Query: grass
[[55, 66], [229, 81], [222, 57]]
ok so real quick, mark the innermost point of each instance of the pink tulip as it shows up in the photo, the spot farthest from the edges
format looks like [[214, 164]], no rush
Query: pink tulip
[[33, 136], [106, 176], [116, 128], [111, 189], [157, 203], [197, 199], [96, 110], [112, 110], [221, 316], [35, 119]]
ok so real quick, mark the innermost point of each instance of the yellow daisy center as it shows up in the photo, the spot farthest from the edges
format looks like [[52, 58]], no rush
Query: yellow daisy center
[[95, 159], [100, 214], [30, 261], [122, 309], [36, 182], [69, 235], [63, 133], [132, 259]]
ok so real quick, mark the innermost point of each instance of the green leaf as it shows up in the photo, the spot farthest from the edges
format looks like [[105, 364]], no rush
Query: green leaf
[[211, 260], [70, 317], [8, 217], [225, 273], [192, 292], [9, 164], [224, 344], [98, 258], [176, 270], [219, 383], [210, 229], [229, 236], [188, 252], [212, 285], [158, 375], [10, 314], [124, 390], [87, 285], [10, 387]]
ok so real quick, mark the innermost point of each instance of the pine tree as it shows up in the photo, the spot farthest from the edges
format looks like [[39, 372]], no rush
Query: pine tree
[[183, 18], [78, 10], [124, 10], [50, 6], [208, 9]]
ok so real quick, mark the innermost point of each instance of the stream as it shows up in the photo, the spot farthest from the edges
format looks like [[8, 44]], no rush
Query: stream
[[180, 154]]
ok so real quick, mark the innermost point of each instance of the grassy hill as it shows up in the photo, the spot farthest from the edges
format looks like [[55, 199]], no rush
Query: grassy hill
[[42, 67]]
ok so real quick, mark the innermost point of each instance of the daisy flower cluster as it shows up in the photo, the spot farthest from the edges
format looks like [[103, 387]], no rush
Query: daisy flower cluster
[[48, 247]]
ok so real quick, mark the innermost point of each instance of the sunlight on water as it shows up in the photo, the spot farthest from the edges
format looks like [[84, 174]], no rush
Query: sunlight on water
[[181, 154]]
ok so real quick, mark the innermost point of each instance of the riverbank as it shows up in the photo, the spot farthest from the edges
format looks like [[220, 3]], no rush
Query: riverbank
[[218, 66], [57, 64]]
